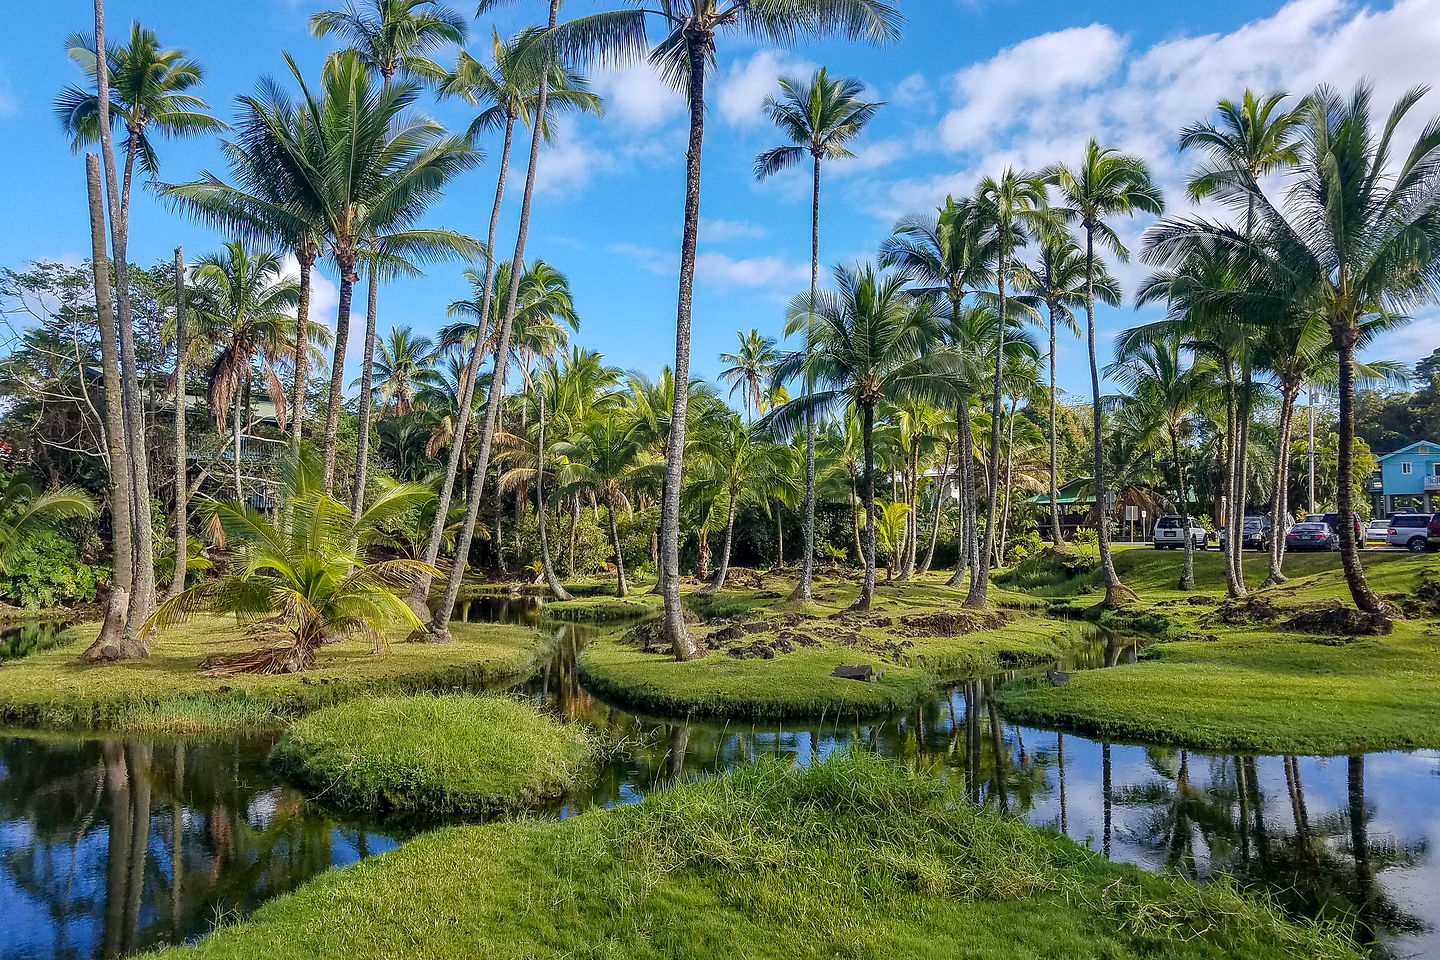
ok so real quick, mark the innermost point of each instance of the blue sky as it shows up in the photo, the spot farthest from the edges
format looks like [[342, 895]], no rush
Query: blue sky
[[973, 85]]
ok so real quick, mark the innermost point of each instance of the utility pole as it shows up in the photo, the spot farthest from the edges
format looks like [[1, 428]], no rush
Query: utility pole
[[1311, 457]]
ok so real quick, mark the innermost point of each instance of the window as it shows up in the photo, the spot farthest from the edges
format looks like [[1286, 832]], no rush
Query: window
[[1405, 466]]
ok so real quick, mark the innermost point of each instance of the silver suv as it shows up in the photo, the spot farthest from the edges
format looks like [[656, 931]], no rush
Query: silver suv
[[1170, 533], [1408, 530]]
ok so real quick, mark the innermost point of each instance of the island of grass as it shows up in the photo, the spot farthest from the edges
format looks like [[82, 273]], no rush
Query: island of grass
[[600, 608], [852, 857], [428, 754], [168, 693], [768, 658], [1288, 670]]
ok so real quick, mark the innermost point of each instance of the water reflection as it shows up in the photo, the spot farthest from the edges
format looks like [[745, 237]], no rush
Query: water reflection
[[28, 638], [109, 846]]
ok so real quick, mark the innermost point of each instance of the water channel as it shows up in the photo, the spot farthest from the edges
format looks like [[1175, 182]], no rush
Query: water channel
[[112, 845]]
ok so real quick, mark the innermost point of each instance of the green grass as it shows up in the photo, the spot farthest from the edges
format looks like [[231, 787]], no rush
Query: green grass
[[1258, 686], [851, 858], [447, 754], [798, 683], [166, 693], [605, 609]]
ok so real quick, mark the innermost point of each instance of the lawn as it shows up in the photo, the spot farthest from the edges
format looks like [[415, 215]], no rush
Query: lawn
[[166, 693], [1258, 684], [429, 754], [850, 858]]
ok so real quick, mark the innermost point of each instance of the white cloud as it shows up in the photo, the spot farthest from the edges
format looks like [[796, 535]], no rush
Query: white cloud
[[637, 97], [750, 271], [720, 230], [748, 82], [324, 294], [648, 259], [870, 156], [914, 92], [567, 164]]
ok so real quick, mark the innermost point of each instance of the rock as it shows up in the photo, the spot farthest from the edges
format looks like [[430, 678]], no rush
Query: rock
[[1057, 678], [864, 672]]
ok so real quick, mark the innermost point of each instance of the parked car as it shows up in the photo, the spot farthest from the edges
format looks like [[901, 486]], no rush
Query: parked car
[[1378, 531], [1169, 533], [1254, 534], [1333, 519], [1432, 533], [1312, 535], [1409, 530]]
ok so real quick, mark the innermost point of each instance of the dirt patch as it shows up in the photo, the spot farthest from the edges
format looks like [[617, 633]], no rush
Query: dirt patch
[[950, 623], [1344, 621], [650, 635], [1249, 610]]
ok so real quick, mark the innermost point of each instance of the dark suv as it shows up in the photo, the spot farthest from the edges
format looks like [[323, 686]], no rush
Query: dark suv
[[1334, 520]]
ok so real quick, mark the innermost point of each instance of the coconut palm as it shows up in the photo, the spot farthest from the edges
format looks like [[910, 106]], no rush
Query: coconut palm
[[299, 580], [751, 368], [871, 342], [392, 36], [683, 56], [1058, 280], [403, 359], [818, 118], [241, 303], [145, 88], [1105, 184], [607, 458]]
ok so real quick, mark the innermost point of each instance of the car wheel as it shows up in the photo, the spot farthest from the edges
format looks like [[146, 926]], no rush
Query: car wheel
[[1416, 544]]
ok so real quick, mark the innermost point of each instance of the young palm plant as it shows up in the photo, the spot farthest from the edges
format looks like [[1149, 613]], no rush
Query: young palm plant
[[298, 581], [818, 118]]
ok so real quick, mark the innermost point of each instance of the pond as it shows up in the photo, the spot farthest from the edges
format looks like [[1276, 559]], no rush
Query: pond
[[108, 846]]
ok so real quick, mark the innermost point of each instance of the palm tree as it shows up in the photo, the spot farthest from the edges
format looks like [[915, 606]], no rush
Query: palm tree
[[1163, 396], [1257, 136], [871, 342], [240, 301], [1105, 184], [683, 56], [818, 118], [1058, 280], [607, 458], [299, 581], [750, 369], [1354, 237], [26, 511], [742, 468], [1011, 209], [403, 359], [392, 36], [148, 95], [507, 92]]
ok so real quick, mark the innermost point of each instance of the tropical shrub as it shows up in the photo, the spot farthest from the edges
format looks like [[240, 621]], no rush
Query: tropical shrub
[[45, 570]]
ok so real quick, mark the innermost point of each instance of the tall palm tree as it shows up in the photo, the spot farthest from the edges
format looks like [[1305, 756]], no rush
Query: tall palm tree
[[1258, 136], [392, 36], [607, 457], [1355, 237], [1105, 184], [241, 303], [1011, 209], [750, 369], [1164, 394], [144, 88], [818, 118], [871, 342], [1058, 280], [684, 55], [950, 257], [507, 92]]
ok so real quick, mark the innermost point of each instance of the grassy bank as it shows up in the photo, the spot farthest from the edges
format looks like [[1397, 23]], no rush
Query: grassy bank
[[605, 609], [853, 857], [449, 754], [769, 659], [1243, 677], [166, 693]]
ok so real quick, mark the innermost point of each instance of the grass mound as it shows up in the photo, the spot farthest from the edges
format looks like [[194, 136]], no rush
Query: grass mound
[[435, 754], [853, 857], [166, 692], [605, 609]]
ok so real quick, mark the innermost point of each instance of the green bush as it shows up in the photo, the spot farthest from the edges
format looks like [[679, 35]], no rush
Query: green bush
[[45, 571]]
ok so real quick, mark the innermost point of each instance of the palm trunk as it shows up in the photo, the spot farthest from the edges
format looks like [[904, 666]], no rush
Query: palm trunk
[[1280, 503], [440, 624], [367, 379], [1057, 536], [551, 579], [235, 441], [305, 258], [1234, 581], [939, 512], [182, 491], [1115, 591], [337, 369], [1242, 479], [1009, 478], [964, 466], [1187, 572], [675, 632], [111, 644], [805, 588], [621, 589], [1360, 591], [978, 583], [867, 590], [855, 518], [718, 581], [779, 539]]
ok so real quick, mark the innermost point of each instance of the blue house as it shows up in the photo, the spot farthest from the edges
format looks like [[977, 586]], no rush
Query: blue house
[[1411, 472]]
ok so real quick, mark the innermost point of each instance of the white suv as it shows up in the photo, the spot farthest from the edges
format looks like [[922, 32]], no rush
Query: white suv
[[1170, 533]]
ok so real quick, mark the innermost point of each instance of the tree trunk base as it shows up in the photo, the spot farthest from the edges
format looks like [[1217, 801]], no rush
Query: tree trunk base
[[438, 633], [1186, 583], [112, 646], [1276, 577], [1119, 595]]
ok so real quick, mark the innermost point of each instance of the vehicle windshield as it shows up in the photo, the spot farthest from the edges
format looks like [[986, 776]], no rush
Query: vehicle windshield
[[1310, 527], [1253, 523]]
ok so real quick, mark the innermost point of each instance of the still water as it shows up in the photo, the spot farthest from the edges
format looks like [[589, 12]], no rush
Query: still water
[[110, 846]]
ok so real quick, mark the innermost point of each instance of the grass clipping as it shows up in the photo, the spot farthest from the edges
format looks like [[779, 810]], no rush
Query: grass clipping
[[455, 754]]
